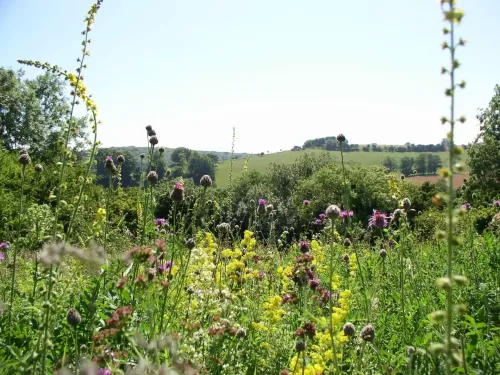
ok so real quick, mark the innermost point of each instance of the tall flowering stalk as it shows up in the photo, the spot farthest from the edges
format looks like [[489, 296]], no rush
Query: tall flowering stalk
[[79, 92], [453, 16]]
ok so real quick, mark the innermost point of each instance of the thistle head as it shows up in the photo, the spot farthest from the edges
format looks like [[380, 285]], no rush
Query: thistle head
[[152, 177], [120, 159], [332, 212], [206, 181], [153, 140]]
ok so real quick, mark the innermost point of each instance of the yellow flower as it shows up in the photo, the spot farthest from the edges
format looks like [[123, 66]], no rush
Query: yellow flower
[[100, 214]]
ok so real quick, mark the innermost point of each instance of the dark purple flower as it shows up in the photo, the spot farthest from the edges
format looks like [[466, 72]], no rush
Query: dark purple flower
[[2, 256], [262, 202], [391, 243], [306, 202], [322, 216], [103, 371], [164, 267], [496, 204], [318, 224], [313, 284], [466, 206], [378, 219], [160, 221], [4, 245]]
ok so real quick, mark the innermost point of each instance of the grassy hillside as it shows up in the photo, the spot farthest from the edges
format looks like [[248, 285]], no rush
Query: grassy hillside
[[260, 163]]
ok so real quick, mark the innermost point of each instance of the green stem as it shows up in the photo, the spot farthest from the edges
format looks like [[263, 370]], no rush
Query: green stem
[[451, 147], [330, 311], [16, 247]]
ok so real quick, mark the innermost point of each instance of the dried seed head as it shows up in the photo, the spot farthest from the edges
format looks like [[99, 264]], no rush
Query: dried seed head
[[161, 150], [73, 317], [177, 194], [151, 132], [149, 128], [206, 181], [406, 204], [349, 329], [142, 156], [340, 138], [190, 243], [120, 159], [383, 253], [152, 177], [368, 333], [153, 140], [332, 212], [347, 242], [38, 168], [24, 159], [300, 346]]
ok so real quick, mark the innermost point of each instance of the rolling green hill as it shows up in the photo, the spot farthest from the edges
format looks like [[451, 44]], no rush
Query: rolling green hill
[[260, 163]]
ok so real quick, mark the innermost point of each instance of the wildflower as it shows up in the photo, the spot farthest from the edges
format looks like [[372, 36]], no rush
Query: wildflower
[[391, 243], [160, 221], [149, 128], [153, 140], [142, 156], [345, 214], [383, 253], [206, 181], [2, 256], [349, 329], [152, 177], [378, 219], [4, 245], [309, 329], [347, 242], [496, 204], [332, 212], [410, 350], [190, 243], [341, 138], [224, 227], [368, 333], [73, 317], [24, 159], [318, 224], [304, 246], [151, 132], [177, 194], [402, 177], [406, 204], [270, 209], [103, 371], [466, 206], [345, 258], [120, 159], [261, 209], [39, 168], [306, 202], [300, 346], [241, 332], [121, 283]]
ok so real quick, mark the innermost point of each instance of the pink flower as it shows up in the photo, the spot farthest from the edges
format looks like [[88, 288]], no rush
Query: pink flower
[[378, 219], [306, 202]]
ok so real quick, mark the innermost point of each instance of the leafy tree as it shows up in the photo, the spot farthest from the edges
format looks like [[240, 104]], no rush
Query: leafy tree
[[33, 113], [200, 165], [406, 165], [434, 163], [421, 163], [484, 157], [176, 154], [390, 163], [214, 157], [331, 145]]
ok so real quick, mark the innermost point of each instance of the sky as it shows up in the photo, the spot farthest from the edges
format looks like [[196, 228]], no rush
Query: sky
[[280, 71]]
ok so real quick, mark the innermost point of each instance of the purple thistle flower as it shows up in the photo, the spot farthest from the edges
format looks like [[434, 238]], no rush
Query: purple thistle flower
[[496, 204], [103, 371], [160, 221], [262, 274], [466, 206], [2, 256], [391, 243], [262, 202], [164, 267], [4, 245], [346, 214], [378, 219], [306, 202], [322, 216], [109, 158]]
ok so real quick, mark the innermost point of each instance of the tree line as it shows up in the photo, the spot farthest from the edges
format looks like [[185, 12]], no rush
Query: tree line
[[422, 164]]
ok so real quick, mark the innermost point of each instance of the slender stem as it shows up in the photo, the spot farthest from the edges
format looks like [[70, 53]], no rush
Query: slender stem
[[449, 291], [16, 247], [86, 176]]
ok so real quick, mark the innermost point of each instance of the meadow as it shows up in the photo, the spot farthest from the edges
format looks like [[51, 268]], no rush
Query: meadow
[[262, 163], [307, 267]]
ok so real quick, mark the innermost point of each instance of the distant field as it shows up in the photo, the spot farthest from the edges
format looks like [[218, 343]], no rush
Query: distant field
[[260, 163], [458, 179]]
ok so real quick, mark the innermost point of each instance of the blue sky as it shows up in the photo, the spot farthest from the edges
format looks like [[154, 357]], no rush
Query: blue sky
[[279, 71]]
